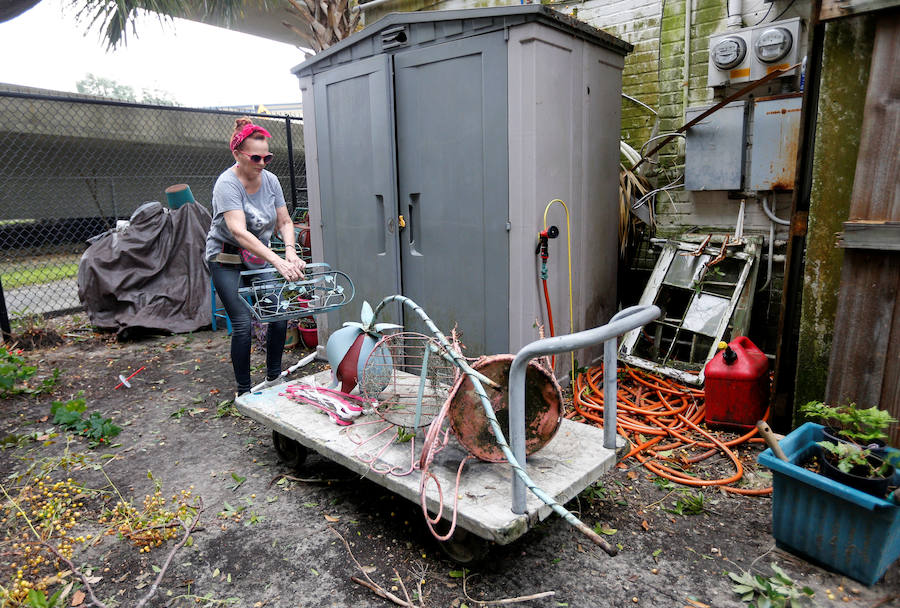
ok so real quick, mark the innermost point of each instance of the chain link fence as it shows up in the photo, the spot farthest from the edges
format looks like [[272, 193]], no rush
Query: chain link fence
[[71, 166]]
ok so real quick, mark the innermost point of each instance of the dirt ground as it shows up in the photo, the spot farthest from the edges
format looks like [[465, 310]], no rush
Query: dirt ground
[[264, 539]]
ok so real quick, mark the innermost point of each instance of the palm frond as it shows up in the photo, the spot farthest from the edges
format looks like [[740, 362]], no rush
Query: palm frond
[[116, 17]]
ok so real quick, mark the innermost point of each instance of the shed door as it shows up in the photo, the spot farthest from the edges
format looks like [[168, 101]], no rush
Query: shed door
[[451, 117], [357, 180]]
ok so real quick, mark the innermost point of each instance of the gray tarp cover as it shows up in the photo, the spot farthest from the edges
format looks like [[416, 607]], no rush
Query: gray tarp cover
[[150, 275]]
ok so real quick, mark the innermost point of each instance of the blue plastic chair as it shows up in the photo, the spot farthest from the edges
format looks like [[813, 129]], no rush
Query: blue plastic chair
[[218, 311]]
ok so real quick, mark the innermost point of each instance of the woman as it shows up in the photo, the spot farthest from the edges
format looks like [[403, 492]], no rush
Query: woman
[[248, 204]]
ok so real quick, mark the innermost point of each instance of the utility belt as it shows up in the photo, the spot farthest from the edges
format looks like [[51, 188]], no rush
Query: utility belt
[[236, 256], [230, 254]]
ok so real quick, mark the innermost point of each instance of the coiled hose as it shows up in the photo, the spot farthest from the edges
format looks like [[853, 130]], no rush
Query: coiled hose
[[658, 415]]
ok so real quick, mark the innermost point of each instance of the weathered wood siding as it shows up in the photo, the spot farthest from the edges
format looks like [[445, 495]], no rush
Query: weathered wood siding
[[865, 355]]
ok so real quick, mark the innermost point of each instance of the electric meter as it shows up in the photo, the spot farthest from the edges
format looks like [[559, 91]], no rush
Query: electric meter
[[773, 44], [729, 52]]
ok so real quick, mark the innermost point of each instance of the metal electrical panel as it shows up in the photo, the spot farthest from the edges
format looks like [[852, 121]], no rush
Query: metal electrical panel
[[714, 149], [776, 134]]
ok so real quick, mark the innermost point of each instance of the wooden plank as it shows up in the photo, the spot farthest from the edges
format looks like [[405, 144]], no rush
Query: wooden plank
[[866, 341], [860, 234], [890, 390], [876, 190], [864, 365], [835, 9]]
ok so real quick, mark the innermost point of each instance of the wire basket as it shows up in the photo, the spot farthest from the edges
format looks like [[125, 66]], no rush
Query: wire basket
[[408, 379], [271, 298]]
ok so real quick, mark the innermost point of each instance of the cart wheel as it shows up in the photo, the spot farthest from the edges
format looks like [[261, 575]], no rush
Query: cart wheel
[[290, 452], [465, 548]]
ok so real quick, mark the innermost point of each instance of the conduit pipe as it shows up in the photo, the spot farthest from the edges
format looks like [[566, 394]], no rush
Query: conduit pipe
[[686, 71], [624, 321], [735, 10], [770, 215], [769, 257]]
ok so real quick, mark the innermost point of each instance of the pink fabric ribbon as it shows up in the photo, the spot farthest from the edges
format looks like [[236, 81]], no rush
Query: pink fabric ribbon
[[238, 138]]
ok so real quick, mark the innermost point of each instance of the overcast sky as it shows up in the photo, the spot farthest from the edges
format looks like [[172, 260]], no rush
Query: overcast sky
[[198, 65]]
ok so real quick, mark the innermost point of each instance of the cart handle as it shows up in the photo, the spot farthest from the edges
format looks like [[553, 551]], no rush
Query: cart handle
[[623, 322]]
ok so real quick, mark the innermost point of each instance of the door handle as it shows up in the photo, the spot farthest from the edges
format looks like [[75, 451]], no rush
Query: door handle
[[411, 223], [380, 223]]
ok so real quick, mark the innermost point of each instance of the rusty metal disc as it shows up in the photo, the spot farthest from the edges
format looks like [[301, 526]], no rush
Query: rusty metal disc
[[543, 408]]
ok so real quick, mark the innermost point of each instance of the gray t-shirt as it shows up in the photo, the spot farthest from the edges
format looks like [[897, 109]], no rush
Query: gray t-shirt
[[259, 209]]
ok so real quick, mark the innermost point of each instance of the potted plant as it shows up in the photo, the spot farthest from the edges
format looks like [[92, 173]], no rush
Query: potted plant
[[862, 426], [309, 333], [826, 521], [855, 466]]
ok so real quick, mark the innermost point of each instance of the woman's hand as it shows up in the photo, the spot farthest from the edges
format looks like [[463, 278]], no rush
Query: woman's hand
[[291, 267]]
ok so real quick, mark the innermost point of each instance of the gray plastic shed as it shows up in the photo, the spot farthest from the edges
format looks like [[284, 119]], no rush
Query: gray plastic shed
[[434, 142]]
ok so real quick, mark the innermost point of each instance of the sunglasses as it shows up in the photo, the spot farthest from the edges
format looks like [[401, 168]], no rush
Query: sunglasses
[[256, 157]]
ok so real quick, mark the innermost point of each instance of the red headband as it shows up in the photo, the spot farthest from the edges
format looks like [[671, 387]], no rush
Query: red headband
[[238, 138]]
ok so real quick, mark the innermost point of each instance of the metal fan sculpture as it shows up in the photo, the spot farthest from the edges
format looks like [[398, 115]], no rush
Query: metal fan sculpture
[[349, 347], [408, 379]]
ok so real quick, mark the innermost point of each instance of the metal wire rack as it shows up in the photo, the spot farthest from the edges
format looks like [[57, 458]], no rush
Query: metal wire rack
[[408, 379], [270, 298]]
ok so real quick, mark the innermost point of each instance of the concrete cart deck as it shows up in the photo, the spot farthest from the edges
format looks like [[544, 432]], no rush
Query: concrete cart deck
[[569, 463]]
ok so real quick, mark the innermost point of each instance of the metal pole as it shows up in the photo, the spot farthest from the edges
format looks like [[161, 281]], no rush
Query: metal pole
[[290, 147], [4, 316], [623, 322], [610, 391], [112, 195], [610, 383]]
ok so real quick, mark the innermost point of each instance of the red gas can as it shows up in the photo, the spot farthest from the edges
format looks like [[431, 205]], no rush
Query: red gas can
[[737, 385]]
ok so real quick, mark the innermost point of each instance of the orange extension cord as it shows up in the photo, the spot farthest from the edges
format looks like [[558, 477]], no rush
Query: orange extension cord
[[651, 410]]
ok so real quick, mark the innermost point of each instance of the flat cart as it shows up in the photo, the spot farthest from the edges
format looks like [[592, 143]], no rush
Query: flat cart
[[576, 457]]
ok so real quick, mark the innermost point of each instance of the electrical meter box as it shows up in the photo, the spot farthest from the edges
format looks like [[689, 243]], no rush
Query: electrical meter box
[[751, 53], [775, 46], [714, 149], [729, 58]]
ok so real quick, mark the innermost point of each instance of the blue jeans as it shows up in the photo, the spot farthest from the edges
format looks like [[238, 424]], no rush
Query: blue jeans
[[227, 280]]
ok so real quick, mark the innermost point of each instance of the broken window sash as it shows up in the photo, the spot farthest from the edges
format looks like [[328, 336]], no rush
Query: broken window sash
[[701, 306]]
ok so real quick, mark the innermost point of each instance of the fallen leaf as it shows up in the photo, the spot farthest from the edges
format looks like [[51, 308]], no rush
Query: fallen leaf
[[331, 518], [93, 580], [631, 475], [645, 525], [369, 569], [78, 598]]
